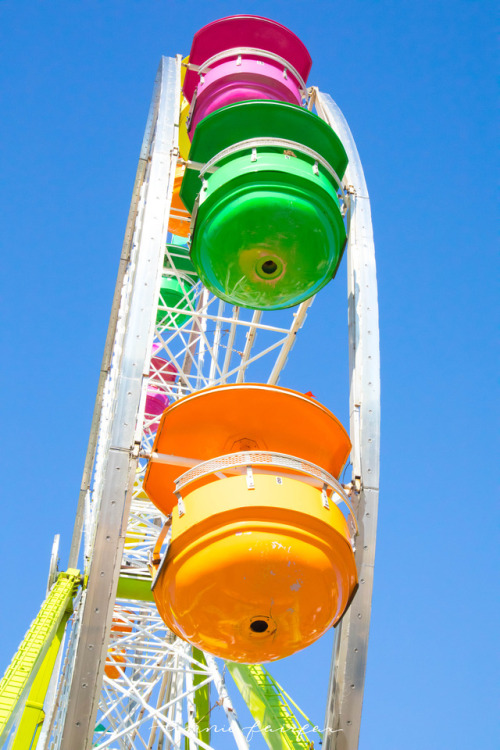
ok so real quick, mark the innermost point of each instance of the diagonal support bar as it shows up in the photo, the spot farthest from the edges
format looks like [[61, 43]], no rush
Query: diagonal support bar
[[276, 720], [29, 658]]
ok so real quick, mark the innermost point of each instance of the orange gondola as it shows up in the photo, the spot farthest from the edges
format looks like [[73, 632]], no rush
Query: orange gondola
[[260, 562]]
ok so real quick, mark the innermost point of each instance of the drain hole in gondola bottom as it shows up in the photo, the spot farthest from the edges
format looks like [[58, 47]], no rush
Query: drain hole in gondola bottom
[[269, 267], [259, 626]]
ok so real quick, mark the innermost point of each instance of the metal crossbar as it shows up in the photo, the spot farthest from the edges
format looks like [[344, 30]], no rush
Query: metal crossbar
[[300, 468], [29, 657], [281, 143], [201, 69]]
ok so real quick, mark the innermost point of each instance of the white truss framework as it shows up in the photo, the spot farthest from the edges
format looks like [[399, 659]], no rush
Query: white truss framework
[[127, 682], [148, 696]]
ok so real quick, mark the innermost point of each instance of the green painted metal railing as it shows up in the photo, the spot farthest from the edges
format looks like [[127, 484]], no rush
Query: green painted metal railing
[[201, 701], [271, 708], [27, 677]]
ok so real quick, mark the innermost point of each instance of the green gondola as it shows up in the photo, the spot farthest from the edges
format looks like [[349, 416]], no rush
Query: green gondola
[[177, 287], [269, 231]]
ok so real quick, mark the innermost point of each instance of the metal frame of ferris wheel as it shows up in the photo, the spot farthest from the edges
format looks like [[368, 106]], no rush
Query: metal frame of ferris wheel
[[152, 702]]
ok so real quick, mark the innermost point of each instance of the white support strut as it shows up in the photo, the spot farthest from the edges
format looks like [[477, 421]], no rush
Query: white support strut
[[345, 695], [131, 345]]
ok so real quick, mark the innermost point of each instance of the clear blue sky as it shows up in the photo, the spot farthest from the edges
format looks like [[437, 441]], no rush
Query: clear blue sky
[[415, 81]]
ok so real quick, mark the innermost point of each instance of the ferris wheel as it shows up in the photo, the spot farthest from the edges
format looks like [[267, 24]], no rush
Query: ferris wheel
[[214, 533]]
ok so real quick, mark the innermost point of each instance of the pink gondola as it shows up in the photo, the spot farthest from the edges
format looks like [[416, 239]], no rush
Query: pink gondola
[[162, 371], [244, 57], [156, 403]]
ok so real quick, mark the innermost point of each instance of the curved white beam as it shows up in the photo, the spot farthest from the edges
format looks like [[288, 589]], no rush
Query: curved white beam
[[345, 695]]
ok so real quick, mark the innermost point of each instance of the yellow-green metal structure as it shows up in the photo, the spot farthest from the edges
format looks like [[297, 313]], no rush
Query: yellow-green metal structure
[[24, 685], [271, 709]]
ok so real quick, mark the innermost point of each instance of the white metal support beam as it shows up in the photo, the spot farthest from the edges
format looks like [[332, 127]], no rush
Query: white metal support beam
[[132, 343], [112, 327], [345, 696]]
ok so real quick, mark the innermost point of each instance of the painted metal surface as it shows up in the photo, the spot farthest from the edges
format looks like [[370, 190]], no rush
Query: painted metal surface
[[271, 708], [132, 341], [258, 567], [35, 657], [201, 700], [343, 715], [179, 219], [242, 80], [251, 35], [228, 128], [176, 295], [29, 728], [259, 564], [250, 249], [267, 227], [243, 417], [121, 280], [184, 140]]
